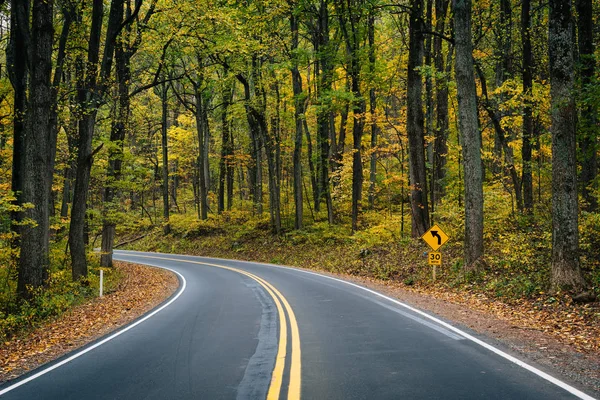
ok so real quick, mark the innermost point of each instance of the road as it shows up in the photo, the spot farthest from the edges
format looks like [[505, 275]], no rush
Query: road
[[253, 331]]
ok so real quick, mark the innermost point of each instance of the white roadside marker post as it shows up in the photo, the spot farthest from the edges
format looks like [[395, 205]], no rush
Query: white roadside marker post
[[101, 281]]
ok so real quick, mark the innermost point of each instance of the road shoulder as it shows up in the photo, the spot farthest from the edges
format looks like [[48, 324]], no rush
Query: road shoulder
[[142, 289], [530, 344]]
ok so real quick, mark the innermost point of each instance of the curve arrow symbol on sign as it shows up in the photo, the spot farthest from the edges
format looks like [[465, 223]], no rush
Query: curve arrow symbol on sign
[[435, 234]]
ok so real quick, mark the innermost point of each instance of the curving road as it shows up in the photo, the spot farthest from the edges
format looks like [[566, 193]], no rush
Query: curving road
[[254, 331]]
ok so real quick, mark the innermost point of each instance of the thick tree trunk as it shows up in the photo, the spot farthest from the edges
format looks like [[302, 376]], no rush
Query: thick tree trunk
[[469, 134], [527, 177], [34, 256], [589, 115], [414, 124], [566, 272]]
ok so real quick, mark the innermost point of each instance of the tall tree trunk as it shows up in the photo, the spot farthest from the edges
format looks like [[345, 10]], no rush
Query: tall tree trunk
[[311, 164], [349, 17], [16, 57], [34, 256], [338, 152], [200, 129], [255, 169], [429, 109], [225, 163], [165, 159], [115, 161], [469, 133], [414, 123], [87, 100], [298, 116], [566, 272], [527, 177], [440, 150], [324, 82], [589, 115], [271, 144], [372, 111], [90, 91], [230, 173]]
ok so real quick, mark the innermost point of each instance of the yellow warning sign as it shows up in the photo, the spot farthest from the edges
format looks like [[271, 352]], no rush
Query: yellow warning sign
[[435, 237], [434, 258]]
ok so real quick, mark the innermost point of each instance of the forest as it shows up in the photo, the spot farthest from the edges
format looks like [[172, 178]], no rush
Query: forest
[[350, 126]]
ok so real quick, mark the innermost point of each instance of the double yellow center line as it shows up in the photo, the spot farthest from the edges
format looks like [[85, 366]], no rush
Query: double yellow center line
[[283, 308]]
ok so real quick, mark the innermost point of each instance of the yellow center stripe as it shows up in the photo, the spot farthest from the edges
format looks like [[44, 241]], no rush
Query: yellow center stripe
[[278, 370]]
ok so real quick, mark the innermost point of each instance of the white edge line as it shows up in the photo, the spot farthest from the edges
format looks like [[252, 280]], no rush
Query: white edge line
[[114, 335], [483, 344]]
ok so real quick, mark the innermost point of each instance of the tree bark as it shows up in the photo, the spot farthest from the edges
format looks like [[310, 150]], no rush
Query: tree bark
[[527, 178], [589, 115], [34, 256], [440, 150], [91, 88], [349, 17], [414, 123], [115, 160], [469, 135], [324, 86], [17, 65], [298, 116], [165, 160], [225, 163], [372, 111], [566, 272]]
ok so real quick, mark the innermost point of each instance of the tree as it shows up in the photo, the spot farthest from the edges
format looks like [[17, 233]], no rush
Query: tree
[[469, 134], [414, 123], [350, 15], [37, 141], [298, 115], [566, 272], [589, 117], [442, 121], [124, 51], [164, 101], [91, 86], [527, 64]]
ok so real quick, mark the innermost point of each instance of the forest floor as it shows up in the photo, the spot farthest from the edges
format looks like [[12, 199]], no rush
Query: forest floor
[[139, 290]]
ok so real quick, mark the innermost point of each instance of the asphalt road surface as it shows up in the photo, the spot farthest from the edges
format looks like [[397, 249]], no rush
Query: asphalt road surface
[[254, 331]]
